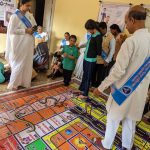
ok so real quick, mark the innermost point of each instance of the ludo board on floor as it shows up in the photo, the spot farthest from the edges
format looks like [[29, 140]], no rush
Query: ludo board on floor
[[50, 117]]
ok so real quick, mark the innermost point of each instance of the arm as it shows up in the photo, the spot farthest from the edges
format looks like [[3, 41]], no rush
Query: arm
[[74, 56], [99, 40], [112, 50], [46, 37], [14, 29], [120, 66], [13, 26], [71, 57], [83, 45]]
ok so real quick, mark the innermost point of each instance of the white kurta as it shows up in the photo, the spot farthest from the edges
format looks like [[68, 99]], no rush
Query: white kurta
[[131, 56], [19, 52]]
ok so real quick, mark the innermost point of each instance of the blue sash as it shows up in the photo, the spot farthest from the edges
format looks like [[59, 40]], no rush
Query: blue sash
[[88, 36], [103, 55], [64, 42], [120, 95], [23, 19], [37, 35]]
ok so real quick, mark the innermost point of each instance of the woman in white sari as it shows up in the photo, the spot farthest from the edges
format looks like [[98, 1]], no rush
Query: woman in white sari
[[20, 46], [79, 66]]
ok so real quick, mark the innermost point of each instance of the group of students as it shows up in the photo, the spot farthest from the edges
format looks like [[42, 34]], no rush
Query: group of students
[[97, 54], [129, 78]]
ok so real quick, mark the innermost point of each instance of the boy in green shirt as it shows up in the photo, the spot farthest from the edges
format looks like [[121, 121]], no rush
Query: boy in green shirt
[[70, 54]]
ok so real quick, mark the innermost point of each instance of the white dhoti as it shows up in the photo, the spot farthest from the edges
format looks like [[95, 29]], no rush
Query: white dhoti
[[132, 55], [128, 131]]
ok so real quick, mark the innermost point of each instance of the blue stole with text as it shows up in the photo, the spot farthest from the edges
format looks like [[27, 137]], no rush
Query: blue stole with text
[[23, 19], [120, 95]]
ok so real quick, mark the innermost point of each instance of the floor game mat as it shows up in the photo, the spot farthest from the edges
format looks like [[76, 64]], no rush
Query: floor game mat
[[50, 117]]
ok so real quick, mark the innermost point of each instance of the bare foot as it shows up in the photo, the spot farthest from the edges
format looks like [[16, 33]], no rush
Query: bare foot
[[82, 97]]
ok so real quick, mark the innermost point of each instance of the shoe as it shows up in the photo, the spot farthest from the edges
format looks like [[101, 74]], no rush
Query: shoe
[[53, 77], [50, 75]]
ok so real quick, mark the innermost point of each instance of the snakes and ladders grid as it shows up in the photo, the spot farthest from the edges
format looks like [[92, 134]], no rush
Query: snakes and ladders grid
[[51, 117]]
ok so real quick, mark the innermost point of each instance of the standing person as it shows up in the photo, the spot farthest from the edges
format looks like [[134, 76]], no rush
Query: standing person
[[103, 61], [130, 80], [119, 37], [93, 48], [70, 54], [79, 66], [20, 46]]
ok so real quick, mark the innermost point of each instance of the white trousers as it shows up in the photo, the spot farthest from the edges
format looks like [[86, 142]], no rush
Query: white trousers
[[128, 132]]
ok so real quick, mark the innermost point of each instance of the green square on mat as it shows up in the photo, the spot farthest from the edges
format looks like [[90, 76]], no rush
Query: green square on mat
[[38, 145]]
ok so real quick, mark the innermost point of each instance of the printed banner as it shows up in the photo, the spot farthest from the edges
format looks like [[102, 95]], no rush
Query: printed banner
[[8, 11], [113, 14], [6, 3]]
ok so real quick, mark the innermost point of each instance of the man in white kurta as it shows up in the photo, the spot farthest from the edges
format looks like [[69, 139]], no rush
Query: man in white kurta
[[131, 56], [19, 51]]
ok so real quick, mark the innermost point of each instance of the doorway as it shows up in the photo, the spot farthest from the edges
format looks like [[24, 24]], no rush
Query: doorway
[[39, 12]]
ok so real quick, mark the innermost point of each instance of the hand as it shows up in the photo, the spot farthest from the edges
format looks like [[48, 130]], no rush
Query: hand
[[77, 44], [78, 48], [97, 93], [29, 31], [105, 63], [65, 54], [123, 37]]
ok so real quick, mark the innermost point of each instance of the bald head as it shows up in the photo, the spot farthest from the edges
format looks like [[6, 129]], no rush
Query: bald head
[[135, 18], [137, 12]]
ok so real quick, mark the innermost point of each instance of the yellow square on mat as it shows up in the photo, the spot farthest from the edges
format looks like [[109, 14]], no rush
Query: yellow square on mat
[[147, 146], [97, 114], [139, 142], [77, 121], [144, 126], [103, 119]]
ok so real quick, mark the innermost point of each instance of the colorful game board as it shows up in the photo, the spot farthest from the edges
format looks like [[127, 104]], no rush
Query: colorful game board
[[50, 117]]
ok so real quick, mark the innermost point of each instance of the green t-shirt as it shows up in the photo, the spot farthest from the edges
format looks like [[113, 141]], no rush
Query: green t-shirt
[[69, 64], [87, 48]]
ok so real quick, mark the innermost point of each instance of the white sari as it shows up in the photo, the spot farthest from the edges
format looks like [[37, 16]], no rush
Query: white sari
[[79, 66], [19, 52]]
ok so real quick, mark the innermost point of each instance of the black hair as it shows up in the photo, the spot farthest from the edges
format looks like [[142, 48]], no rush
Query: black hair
[[115, 27], [137, 15], [22, 2], [67, 33], [73, 37], [90, 24], [103, 25]]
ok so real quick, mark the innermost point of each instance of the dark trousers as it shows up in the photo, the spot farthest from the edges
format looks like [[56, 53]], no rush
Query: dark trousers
[[67, 76], [100, 73], [88, 68]]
